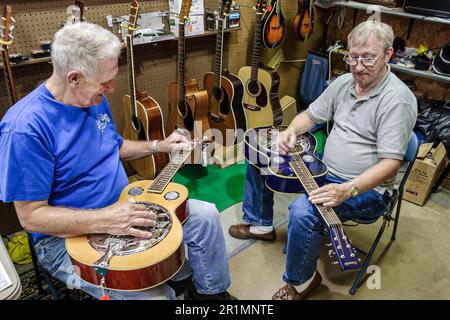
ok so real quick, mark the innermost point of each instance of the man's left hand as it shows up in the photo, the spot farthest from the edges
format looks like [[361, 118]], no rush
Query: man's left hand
[[331, 195], [174, 142]]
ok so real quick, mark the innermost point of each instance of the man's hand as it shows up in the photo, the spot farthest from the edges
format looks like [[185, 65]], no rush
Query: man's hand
[[174, 142], [124, 218], [331, 195], [286, 141]]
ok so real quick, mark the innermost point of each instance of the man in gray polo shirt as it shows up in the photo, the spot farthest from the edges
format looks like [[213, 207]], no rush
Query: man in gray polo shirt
[[373, 114]]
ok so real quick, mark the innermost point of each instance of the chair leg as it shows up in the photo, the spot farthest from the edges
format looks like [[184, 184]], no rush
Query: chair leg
[[397, 215], [37, 271], [362, 270], [51, 287]]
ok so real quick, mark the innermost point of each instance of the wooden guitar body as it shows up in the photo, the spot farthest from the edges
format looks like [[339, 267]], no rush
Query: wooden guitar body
[[144, 269], [261, 104], [273, 26], [225, 109], [304, 20], [148, 125]]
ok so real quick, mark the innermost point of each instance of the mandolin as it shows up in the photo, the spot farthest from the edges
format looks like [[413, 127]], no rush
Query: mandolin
[[188, 106], [225, 92], [6, 41], [130, 263], [304, 20], [143, 117], [273, 25], [298, 171], [261, 104]]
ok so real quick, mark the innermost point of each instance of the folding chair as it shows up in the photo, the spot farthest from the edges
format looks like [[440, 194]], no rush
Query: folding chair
[[38, 269], [396, 198]]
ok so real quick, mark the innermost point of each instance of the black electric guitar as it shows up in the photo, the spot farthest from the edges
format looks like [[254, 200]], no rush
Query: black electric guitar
[[261, 104], [225, 92], [6, 40]]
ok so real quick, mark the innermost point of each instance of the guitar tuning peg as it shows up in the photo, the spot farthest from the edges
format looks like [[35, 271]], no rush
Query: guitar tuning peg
[[334, 262], [331, 253], [13, 20], [328, 244], [359, 259]]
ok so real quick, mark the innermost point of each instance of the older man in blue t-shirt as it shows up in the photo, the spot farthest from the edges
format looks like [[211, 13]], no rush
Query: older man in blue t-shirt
[[60, 158]]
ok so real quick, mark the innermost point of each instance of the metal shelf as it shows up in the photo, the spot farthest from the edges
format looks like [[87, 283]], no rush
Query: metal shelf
[[47, 59], [399, 12], [418, 73]]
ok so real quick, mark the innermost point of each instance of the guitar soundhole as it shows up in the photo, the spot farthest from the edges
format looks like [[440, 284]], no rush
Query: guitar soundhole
[[253, 87], [136, 124], [182, 109], [217, 93], [135, 245], [225, 104]]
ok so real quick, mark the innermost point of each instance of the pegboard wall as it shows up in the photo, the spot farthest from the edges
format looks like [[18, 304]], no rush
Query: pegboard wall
[[155, 64]]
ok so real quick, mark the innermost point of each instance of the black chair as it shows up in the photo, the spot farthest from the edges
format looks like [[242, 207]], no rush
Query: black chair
[[395, 199], [38, 270]]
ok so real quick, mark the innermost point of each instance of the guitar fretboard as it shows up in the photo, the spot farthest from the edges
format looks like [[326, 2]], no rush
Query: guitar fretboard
[[256, 48], [308, 182], [181, 56], [131, 78], [219, 53], [162, 180]]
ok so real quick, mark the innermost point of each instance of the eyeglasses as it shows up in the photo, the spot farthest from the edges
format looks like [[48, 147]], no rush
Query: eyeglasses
[[367, 62]]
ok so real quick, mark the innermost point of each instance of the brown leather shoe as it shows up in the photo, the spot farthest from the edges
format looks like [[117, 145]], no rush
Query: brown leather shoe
[[242, 231], [288, 291]]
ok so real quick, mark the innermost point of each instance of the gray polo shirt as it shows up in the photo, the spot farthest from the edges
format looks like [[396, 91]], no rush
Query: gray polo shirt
[[366, 129]]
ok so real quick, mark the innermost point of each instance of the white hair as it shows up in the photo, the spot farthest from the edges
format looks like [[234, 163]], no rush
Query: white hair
[[79, 46], [380, 30]]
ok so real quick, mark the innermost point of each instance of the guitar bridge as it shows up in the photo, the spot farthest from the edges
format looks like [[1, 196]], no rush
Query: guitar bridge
[[252, 107], [215, 117]]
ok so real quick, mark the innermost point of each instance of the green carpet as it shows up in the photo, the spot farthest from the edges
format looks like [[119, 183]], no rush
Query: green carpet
[[223, 187]]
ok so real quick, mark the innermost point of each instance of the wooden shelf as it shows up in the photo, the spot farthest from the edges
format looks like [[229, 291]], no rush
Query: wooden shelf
[[47, 59], [399, 12]]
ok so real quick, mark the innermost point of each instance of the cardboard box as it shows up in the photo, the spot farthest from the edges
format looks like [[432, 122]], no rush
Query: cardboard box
[[197, 7], [427, 168], [194, 26], [289, 109]]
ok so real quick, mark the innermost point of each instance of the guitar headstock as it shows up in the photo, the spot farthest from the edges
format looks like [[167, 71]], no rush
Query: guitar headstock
[[225, 8], [343, 250], [260, 6], [184, 12], [7, 27], [80, 4], [135, 7]]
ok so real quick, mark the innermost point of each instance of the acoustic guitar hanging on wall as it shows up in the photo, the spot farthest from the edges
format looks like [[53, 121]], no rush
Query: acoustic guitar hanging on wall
[[6, 41], [304, 20]]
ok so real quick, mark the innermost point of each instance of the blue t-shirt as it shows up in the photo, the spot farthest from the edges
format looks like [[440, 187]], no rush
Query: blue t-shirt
[[60, 153]]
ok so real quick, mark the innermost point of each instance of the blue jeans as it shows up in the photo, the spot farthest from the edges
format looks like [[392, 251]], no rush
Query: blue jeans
[[305, 227], [207, 258]]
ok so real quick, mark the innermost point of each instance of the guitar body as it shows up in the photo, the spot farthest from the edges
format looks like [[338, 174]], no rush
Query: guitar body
[[259, 151], [195, 108], [273, 26], [225, 108], [261, 104], [147, 126], [144, 269], [303, 21]]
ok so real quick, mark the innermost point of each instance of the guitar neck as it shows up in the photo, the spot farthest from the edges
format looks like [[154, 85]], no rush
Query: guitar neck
[[256, 55], [219, 53], [308, 182], [10, 85], [181, 57], [131, 77], [163, 179]]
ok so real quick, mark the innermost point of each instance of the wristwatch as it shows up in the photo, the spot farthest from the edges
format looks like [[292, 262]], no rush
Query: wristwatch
[[154, 147], [355, 191]]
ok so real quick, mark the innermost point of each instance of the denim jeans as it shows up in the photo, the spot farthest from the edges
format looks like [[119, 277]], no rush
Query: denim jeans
[[305, 227], [207, 258]]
